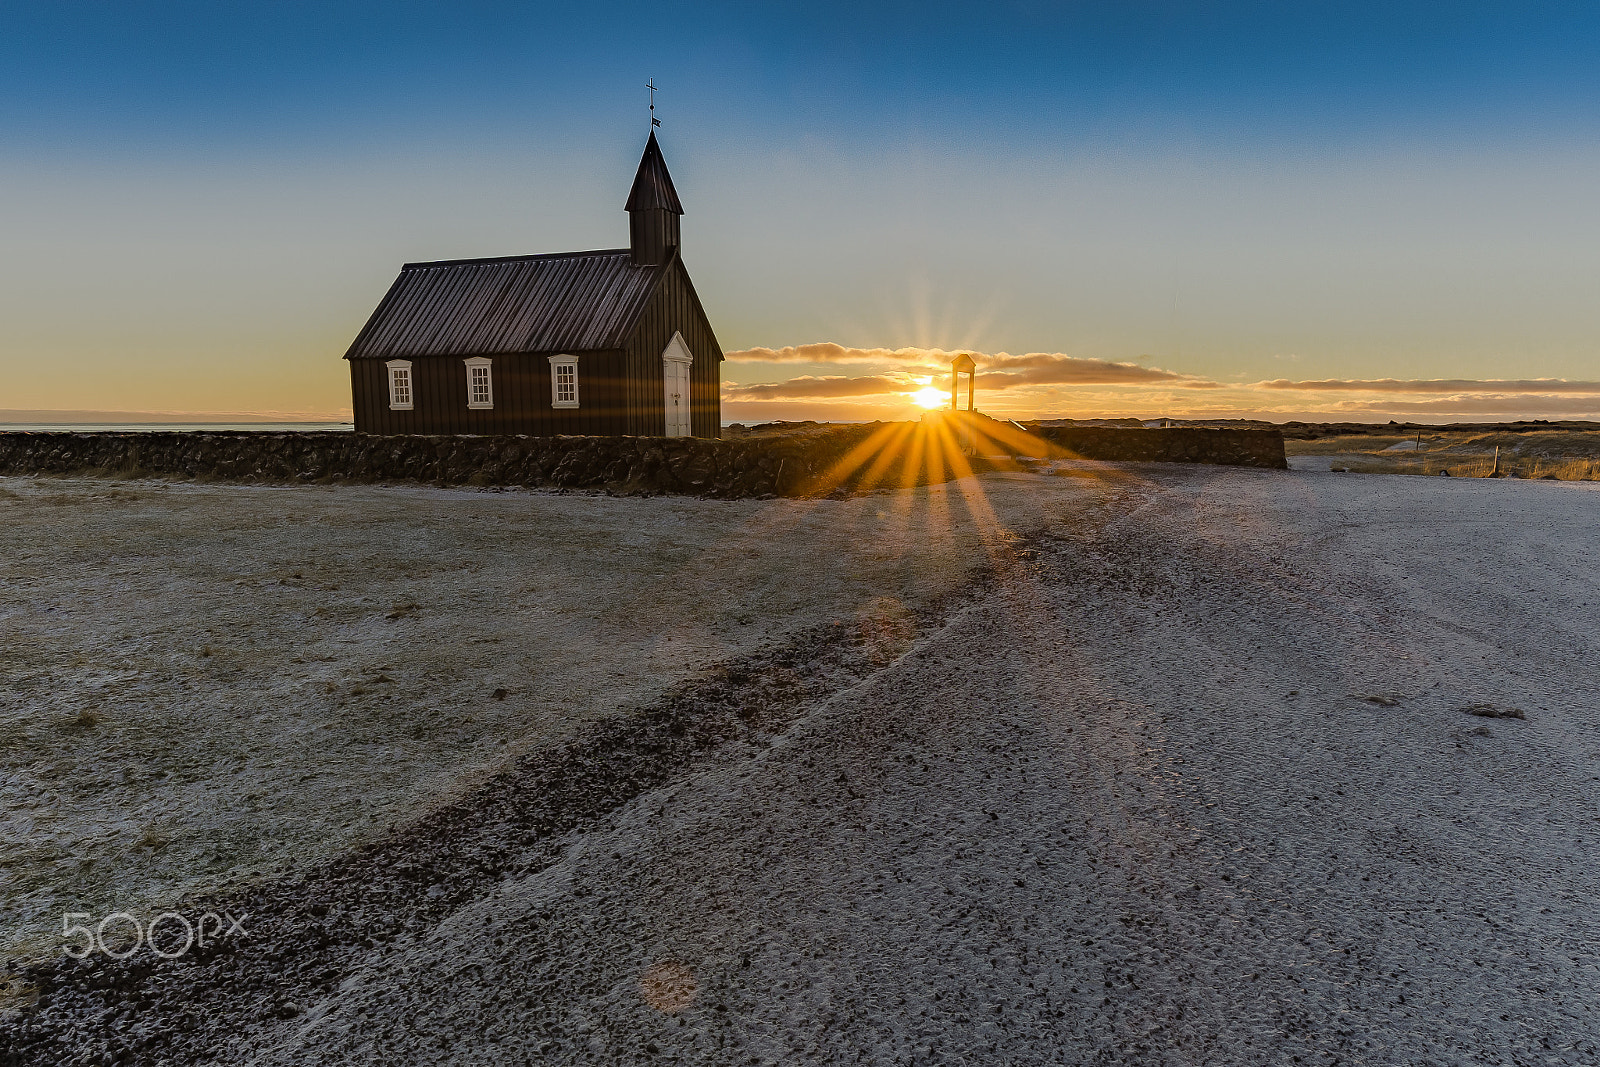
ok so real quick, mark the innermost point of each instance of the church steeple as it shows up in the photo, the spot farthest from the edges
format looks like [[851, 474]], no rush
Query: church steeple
[[653, 209]]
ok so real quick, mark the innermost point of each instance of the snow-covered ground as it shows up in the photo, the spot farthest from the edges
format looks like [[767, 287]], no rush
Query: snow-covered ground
[[1192, 782], [1192, 785], [198, 682]]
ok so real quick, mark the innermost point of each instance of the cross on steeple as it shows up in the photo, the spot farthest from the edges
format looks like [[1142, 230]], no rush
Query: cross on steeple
[[651, 85]]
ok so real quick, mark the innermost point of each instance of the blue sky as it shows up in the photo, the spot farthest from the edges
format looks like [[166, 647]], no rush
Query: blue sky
[[205, 200]]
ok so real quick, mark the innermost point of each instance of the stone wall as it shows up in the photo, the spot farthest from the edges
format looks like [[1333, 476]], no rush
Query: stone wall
[[830, 459], [1182, 444], [755, 467]]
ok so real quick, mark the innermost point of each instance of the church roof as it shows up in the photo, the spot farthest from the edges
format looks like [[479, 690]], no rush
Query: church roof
[[652, 186], [566, 302]]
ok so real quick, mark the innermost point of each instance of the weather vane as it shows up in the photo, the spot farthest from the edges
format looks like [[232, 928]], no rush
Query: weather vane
[[651, 85]]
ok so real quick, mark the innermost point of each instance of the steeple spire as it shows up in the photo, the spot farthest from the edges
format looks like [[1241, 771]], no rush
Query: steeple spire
[[652, 186], [653, 208]]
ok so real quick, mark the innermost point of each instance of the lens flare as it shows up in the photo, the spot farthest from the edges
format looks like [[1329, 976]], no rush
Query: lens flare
[[929, 397]]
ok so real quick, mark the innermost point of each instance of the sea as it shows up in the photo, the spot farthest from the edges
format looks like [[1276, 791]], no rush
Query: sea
[[184, 427]]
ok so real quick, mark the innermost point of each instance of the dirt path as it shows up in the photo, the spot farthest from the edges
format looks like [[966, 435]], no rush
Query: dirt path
[[1187, 781]]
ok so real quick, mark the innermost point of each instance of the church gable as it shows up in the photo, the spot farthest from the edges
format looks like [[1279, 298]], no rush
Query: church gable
[[674, 311]]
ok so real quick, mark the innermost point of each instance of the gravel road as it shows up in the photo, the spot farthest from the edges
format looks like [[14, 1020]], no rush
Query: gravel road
[[1184, 777]]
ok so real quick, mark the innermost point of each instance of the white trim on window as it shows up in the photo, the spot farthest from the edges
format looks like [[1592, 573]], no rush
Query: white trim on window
[[480, 383], [402, 386], [563, 381]]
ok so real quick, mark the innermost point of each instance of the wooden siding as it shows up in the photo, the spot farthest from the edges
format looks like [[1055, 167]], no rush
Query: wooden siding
[[673, 307], [521, 397], [620, 388], [653, 236]]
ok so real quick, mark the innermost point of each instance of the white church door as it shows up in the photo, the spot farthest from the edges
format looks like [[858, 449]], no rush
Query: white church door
[[675, 363]]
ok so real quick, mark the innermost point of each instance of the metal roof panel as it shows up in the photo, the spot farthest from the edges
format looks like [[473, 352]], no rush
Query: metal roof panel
[[568, 302]]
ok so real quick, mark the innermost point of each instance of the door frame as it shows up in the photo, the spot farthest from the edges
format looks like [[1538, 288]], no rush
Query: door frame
[[677, 355]]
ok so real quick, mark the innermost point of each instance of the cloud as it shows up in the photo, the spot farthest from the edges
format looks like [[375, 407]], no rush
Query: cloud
[[828, 352], [808, 387], [1003, 371], [753, 411], [1031, 368], [1047, 383], [1522, 404], [996, 373], [1434, 385]]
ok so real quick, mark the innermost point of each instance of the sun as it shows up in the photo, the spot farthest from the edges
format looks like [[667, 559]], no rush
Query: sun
[[929, 397]]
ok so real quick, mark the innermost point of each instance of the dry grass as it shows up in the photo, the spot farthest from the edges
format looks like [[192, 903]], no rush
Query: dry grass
[[84, 720], [1563, 455], [15, 992], [1481, 466], [1459, 467], [1350, 444], [1572, 470], [152, 839]]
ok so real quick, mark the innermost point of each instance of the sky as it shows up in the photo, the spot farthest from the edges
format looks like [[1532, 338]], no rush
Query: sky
[[1353, 210]]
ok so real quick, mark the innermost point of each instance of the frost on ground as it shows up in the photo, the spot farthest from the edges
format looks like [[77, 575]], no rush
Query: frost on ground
[[1194, 784], [1196, 778], [203, 682]]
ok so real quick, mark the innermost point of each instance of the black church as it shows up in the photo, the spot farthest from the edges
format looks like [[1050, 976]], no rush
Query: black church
[[605, 343]]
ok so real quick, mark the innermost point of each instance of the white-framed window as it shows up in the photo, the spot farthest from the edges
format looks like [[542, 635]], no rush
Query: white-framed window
[[563, 381], [480, 383], [399, 384]]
